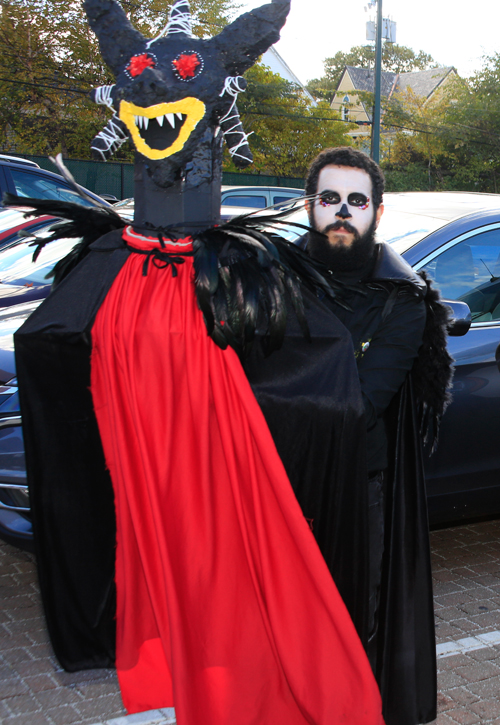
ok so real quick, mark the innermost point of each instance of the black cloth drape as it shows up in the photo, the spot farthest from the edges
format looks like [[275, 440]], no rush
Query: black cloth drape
[[309, 393]]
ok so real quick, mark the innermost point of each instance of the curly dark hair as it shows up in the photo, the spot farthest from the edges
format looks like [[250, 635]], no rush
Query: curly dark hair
[[346, 156]]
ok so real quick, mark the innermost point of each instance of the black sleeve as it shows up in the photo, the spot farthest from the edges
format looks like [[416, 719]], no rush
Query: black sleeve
[[390, 355]]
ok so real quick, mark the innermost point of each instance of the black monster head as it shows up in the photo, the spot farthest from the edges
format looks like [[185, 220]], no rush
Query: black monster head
[[177, 93]]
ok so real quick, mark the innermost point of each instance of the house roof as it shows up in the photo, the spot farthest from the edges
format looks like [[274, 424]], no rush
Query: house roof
[[364, 79], [423, 82], [278, 65]]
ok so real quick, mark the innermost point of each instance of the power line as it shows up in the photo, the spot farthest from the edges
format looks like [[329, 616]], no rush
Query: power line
[[44, 85], [293, 116]]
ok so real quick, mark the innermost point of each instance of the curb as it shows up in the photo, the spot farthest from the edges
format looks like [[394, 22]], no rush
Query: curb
[[165, 716]]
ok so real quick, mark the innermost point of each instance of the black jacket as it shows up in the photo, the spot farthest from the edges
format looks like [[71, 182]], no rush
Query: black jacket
[[386, 319]]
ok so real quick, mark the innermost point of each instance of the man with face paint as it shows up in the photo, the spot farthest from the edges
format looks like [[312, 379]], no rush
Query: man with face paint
[[384, 308]]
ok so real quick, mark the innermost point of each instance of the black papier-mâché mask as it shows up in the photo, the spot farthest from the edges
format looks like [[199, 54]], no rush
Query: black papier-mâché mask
[[170, 90]]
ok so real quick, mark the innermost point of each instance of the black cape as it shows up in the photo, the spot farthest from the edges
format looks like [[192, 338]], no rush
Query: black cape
[[309, 393], [310, 396]]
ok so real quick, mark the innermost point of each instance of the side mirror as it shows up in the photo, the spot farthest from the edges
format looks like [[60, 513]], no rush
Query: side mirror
[[460, 317]]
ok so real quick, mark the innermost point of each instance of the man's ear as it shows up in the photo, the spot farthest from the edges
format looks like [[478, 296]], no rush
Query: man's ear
[[378, 215]]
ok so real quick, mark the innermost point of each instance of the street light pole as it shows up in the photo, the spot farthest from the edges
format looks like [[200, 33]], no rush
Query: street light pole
[[375, 152]]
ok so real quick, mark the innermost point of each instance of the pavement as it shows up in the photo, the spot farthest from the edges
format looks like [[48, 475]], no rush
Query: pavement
[[34, 690]]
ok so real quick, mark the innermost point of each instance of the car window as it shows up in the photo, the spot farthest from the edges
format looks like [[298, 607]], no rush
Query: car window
[[282, 199], [469, 271], [17, 266], [258, 202], [41, 187], [10, 218]]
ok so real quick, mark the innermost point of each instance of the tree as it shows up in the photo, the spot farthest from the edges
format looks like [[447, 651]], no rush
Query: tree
[[395, 58], [455, 139], [287, 132], [418, 144], [50, 60]]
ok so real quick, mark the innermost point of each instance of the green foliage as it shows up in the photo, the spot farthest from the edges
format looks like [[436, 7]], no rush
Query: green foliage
[[50, 60], [395, 58], [287, 133]]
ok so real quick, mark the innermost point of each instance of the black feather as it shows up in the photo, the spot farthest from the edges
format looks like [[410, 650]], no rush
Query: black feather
[[88, 223], [257, 272], [433, 369], [244, 274]]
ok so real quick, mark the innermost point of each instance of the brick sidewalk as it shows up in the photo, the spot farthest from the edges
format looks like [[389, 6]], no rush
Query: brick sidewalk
[[466, 564], [466, 567], [34, 690]]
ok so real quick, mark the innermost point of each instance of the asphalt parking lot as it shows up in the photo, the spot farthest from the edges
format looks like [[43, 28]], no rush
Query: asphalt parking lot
[[34, 690]]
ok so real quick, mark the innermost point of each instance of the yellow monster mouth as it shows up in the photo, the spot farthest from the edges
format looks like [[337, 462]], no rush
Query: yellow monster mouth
[[161, 130]]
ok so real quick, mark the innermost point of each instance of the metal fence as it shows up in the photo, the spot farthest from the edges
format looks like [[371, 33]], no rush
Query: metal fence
[[116, 178]]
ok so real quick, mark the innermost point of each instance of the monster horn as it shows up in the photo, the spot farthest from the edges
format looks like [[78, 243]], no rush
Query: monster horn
[[250, 35], [180, 19], [118, 39]]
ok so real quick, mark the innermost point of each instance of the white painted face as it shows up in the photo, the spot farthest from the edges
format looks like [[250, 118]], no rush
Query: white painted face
[[344, 197]]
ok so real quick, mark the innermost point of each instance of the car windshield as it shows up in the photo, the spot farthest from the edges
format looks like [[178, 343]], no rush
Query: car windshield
[[17, 266], [400, 229]]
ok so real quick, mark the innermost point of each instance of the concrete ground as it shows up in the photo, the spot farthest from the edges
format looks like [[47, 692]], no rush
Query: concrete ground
[[34, 690]]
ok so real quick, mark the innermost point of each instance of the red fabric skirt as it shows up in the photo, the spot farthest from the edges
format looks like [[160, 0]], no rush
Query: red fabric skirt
[[226, 609]]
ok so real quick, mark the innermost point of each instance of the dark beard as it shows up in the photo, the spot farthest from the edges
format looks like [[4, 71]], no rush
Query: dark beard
[[339, 258]]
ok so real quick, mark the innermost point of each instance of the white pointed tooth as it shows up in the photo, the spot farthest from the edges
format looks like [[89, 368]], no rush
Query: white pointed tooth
[[171, 119], [160, 119], [145, 121], [139, 121], [179, 116], [136, 119]]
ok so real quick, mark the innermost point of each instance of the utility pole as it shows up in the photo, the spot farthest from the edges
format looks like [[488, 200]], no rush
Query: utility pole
[[375, 151]]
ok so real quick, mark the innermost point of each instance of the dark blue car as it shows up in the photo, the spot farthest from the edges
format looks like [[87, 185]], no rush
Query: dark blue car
[[455, 237]]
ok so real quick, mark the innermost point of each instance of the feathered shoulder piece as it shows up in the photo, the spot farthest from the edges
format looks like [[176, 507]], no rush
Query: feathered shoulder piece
[[75, 220], [432, 372], [246, 275], [88, 220], [245, 278]]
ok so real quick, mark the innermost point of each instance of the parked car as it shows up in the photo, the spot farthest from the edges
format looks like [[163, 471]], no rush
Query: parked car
[[258, 197], [455, 237], [26, 178], [13, 221], [125, 209]]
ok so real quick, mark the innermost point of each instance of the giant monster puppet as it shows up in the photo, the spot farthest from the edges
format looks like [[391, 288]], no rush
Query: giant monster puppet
[[169, 540]]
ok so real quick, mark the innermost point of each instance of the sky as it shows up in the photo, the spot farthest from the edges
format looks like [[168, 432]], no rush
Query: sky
[[454, 34]]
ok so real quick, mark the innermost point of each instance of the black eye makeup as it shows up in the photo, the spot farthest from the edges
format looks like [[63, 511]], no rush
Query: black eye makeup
[[355, 198], [359, 200], [329, 198]]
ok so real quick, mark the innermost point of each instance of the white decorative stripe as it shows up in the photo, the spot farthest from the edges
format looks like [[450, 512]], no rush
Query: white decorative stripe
[[179, 21], [103, 96], [233, 86], [165, 716], [468, 644], [142, 238], [113, 135]]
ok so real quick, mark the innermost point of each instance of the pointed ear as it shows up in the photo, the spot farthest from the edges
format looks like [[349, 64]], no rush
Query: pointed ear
[[250, 35], [118, 39]]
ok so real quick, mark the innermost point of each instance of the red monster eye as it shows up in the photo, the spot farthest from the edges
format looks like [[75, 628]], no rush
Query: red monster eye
[[187, 65], [139, 63]]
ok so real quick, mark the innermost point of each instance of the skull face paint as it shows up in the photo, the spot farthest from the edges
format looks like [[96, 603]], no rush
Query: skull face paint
[[342, 209]]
